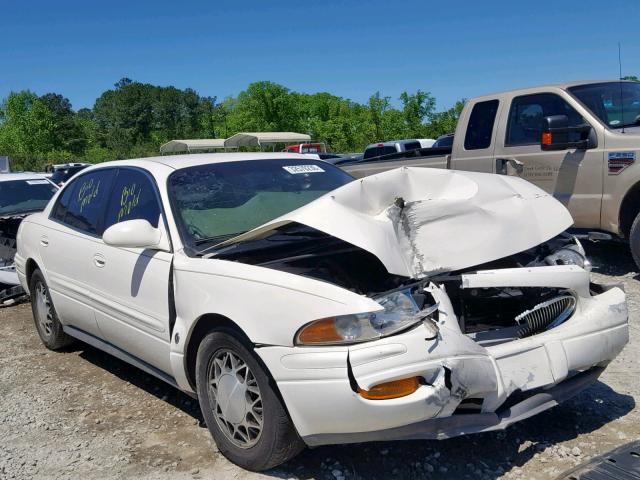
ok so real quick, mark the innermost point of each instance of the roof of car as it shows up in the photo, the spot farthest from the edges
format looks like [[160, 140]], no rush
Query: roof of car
[[194, 159], [8, 177], [561, 85]]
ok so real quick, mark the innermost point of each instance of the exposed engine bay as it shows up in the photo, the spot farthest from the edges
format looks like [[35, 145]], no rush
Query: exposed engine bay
[[9, 285], [489, 315]]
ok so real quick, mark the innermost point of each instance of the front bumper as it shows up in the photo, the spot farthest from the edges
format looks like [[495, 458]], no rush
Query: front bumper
[[319, 385]]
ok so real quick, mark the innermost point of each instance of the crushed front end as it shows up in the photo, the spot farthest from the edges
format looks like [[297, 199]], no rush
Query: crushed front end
[[10, 288], [491, 346]]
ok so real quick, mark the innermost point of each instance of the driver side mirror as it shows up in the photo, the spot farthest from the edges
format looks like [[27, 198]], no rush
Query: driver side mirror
[[556, 133], [135, 234]]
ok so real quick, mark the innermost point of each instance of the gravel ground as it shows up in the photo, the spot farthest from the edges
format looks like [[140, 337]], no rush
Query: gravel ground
[[84, 414]]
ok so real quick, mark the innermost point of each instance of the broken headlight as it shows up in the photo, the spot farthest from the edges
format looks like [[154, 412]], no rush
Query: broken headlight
[[399, 312], [570, 255]]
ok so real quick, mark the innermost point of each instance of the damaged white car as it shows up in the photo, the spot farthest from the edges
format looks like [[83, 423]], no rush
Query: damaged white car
[[21, 194], [302, 307]]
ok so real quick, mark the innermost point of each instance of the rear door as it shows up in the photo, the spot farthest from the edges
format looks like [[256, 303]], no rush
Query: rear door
[[474, 148], [573, 176], [68, 245]]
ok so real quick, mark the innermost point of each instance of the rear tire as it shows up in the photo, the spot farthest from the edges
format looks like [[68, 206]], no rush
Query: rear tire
[[45, 316], [240, 405]]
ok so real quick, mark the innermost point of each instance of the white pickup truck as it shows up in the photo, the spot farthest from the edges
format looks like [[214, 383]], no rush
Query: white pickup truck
[[578, 141]]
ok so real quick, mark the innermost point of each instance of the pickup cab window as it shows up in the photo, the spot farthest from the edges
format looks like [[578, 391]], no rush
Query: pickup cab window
[[525, 118], [480, 127]]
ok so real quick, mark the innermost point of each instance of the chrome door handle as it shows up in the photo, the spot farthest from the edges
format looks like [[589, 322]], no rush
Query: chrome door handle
[[99, 261], [44, 241]]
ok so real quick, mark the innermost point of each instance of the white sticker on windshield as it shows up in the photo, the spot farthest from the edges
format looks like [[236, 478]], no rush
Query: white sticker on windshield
[[293, 169], [38, 182]]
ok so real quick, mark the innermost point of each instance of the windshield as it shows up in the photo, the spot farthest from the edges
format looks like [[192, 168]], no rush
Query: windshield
[[617, 104], [216, 201], [23, 196]]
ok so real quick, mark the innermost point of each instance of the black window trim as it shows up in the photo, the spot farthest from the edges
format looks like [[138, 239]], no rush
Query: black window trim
[[103, 214]]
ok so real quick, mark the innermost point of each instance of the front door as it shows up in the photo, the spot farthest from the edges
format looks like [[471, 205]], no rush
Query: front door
[[135, 311], [574, 177]]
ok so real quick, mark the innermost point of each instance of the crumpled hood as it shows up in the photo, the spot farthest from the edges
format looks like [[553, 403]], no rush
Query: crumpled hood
[[419, 221]]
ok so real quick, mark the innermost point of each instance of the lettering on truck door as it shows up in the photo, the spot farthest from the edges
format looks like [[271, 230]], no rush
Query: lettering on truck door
[[573, 176]]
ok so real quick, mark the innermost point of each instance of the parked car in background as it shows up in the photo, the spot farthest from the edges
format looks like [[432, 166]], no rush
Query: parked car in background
[[63, 172], [21, 194], [578, 141], [426, 142], [303, 308], [444, 141], [306, 148], [393, 146]]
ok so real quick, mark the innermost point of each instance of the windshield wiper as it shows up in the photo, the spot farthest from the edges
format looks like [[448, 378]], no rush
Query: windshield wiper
[[217, 238]]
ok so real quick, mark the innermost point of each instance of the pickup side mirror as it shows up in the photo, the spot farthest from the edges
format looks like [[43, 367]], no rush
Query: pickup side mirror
[[556, 135], [134, 234]]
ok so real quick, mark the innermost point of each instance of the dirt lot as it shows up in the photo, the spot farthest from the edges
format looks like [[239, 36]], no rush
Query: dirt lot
[[83, 414]]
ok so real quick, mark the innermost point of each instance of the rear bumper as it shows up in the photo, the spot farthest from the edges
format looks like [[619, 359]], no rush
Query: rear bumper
[[319, 385]]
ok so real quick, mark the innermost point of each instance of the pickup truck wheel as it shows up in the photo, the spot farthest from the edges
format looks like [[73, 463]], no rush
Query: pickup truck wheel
[[240, 405], [44, 314], [634, 240]]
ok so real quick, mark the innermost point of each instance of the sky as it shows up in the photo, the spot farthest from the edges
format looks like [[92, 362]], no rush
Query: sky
[[349, 48]]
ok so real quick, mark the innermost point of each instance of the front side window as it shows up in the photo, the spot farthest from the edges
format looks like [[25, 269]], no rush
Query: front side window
[[133, 197], [480, 127], [24, 196], [217, 201], [527, 113], [88, 200], [616, 104]]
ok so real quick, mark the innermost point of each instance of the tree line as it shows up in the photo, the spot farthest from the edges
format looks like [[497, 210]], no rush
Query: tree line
[[133, 119]]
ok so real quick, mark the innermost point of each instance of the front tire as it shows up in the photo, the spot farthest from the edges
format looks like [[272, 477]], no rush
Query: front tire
[[45, 316], [634, 240], [240, 405]]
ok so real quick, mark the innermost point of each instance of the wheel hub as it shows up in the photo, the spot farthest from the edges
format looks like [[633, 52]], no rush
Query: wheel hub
[[236, 399], [231, 398]]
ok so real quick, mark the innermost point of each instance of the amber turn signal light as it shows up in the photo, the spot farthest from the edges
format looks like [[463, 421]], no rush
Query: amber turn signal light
[[320, 331], [547, 138], [395, 389]]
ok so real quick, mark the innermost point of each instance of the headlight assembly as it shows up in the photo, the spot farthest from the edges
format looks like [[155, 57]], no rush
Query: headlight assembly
[[400, 312], [572, 255]]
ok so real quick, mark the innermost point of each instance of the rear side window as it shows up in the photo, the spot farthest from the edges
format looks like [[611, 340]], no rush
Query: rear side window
[[60, 209], [480, 127], [526, 115], [88, 201], [133, 198], [378, 151]]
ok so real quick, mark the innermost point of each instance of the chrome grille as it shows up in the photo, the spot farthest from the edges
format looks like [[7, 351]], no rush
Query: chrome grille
[[545, 315]]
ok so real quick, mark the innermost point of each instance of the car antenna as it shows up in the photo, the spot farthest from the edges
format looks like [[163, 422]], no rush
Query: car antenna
[[620, 83]]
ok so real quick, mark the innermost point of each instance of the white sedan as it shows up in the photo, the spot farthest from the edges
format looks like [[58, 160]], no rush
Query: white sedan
[[304, 308]]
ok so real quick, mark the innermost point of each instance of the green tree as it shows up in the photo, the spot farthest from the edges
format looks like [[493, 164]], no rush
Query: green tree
[[27, 129], [633, 78], [416, 109]]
